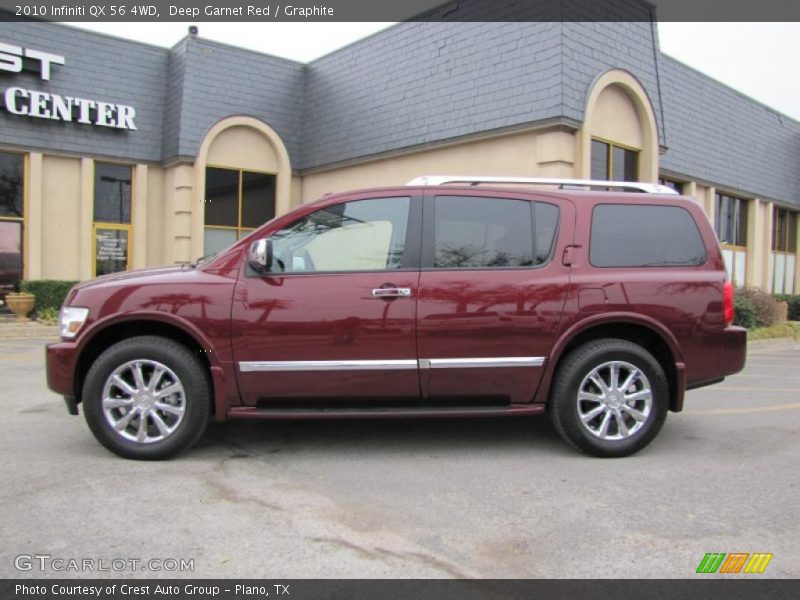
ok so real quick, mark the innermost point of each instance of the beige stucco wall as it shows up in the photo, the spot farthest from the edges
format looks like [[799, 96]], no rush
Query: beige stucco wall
[[616, 118], [154, 251], [60, 225], [532, 153], [242, 147], [618, 110], [759, 223]]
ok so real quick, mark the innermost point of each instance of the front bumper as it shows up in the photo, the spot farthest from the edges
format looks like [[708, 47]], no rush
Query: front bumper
[[61, 361]]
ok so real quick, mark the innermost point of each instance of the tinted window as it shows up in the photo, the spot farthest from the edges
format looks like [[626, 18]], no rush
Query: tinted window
[[258, 198], [625, 235], [545, 222], [112, 193], [222, 197], [11, 181], [599, 160], [613, 163], [236, 202], [731, 220], [10, 255], [626, 164], [473, 232], [363, 235]]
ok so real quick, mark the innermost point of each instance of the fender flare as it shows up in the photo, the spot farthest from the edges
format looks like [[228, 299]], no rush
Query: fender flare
[[217, 371], [611, 318]]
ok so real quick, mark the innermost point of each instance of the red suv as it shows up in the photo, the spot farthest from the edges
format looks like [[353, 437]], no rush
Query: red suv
[[446, 297]]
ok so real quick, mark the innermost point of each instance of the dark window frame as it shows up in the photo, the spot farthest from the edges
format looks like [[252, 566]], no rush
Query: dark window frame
[[788, 242], [610, 147], [429, 233], [126, 213], [412, 244], [123, 224], [21, 220], [240, 230], [735, 235]]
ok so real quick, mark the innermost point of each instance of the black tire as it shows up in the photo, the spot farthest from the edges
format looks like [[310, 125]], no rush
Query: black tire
[[196, 398], [574, 371]]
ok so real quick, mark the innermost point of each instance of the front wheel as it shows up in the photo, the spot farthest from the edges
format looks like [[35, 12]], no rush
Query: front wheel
[[146, 398], [610, 398]]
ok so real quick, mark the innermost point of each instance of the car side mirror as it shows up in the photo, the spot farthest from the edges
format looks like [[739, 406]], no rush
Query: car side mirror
[[259, 257]]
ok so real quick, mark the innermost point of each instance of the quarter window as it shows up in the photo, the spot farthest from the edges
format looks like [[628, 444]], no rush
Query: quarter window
[[479, 233], [362, 235], [112, 217], [625, 235], [236, 203], [612, 162]]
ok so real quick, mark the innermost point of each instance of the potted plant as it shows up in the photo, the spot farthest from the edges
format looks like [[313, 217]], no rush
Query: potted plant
[[20, 303]]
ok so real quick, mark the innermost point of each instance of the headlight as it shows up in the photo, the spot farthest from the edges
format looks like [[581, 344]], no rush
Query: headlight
[[72, 319]]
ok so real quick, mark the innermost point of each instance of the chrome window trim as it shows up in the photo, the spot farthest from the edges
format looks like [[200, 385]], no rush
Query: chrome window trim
[[389, 365]]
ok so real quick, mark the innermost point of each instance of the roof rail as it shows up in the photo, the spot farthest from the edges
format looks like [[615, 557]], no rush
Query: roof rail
[[649, 188]]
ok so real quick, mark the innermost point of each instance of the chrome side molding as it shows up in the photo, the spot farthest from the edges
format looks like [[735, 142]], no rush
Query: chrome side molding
[[390, 365], [325, 365], [471, 363]]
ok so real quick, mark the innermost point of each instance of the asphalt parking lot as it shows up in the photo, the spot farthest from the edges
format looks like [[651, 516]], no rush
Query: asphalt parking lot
[[499, 498]]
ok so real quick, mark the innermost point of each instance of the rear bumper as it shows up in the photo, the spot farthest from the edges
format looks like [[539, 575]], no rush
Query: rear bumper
[[732, 350], [60, 361], [729, 351]]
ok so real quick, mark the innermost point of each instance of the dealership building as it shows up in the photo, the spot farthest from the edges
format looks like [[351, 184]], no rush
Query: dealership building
[[118, 155]]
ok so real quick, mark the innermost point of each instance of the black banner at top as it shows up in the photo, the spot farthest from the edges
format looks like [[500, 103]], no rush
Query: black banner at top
[[399, 10]]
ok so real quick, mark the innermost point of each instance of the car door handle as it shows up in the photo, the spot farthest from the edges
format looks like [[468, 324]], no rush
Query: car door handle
[[391, 292]]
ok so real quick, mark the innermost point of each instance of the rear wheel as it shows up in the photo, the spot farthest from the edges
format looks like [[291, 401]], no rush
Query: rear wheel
[[610, 398], [147, 398]]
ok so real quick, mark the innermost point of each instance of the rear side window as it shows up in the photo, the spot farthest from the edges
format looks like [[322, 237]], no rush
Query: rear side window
[[625, 235], [475, 232]]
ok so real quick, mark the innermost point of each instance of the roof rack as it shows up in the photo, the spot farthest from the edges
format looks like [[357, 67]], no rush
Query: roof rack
[[649, 188]]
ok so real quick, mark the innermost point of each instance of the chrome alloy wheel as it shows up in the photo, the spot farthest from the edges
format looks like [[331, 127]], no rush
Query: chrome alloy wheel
[[144, 401], [614, 400]]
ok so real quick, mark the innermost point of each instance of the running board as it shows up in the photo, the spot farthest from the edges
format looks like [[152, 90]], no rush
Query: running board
[[248, 412]]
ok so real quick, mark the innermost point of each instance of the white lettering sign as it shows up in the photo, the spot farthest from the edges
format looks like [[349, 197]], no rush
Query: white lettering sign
[[11, 59], [46, 105]]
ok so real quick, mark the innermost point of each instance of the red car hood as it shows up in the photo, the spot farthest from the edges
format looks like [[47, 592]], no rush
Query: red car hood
[[135, 274]]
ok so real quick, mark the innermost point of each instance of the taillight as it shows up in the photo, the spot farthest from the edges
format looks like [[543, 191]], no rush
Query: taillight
[[727, 302]]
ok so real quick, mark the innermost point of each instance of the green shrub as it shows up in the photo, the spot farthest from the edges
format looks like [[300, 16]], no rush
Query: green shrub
[[48, 314], [794, 305], [744, 312], [50, 293], [765, 305]]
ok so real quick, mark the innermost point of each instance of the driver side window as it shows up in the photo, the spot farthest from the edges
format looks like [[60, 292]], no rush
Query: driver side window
[[362, 235]]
